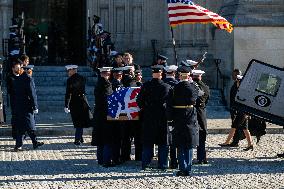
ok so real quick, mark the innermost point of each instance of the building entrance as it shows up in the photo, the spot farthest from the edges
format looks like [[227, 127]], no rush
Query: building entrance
[[55, 30]]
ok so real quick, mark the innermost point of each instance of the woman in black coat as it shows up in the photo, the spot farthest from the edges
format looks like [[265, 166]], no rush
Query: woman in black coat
[[76, 102]]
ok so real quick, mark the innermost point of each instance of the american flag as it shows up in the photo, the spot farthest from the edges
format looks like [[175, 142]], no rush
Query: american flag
[[123, 101], [186, 12]]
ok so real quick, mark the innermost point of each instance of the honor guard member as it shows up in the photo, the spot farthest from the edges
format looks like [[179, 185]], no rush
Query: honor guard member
[[102, 90], [161, 60], [112, 133], [128, 75], [76, 102], [200, 106], [171, 80], [183, 114], [152, 100], [190, 63], [137, 81], [24, 107]]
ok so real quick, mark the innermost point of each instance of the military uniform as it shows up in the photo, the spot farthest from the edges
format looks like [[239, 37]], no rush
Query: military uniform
[[202, 120], [152, 100], [76, 101], [183, 114], [102, 90]]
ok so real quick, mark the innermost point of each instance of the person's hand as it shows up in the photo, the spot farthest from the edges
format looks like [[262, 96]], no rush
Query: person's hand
[[66, 110], [35, 111]]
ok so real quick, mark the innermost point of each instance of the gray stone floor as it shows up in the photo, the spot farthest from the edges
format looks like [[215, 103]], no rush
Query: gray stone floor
[[60, 164]]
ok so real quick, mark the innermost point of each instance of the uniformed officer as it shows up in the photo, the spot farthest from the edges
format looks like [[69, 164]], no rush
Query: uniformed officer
[[183, 114], [23, 106], [137, 81], [200, 106], [190, 63], [161, 60], [112, 131], [76, 102], [152, 100], [128, 76], [171, 80], [102, 90]]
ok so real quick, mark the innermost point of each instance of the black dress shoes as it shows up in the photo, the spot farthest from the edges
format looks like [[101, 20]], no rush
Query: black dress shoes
[[38, 144], [182, 173], [248, 148], [280, 155]]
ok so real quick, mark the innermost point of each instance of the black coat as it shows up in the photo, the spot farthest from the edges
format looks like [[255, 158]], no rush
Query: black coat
[[102, 90], [152, 100], [200, 106], [171, 81], [186, 129], [76, 101], [23, 102]]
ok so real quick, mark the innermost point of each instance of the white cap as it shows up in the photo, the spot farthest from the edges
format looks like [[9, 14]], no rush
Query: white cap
[[69, 67], [191, 62], [29, 67], [171, 68], [239, 77], [113, 53], [129, 67], [105, 69], [197, 72]]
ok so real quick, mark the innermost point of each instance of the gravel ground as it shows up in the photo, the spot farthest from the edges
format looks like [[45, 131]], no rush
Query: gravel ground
[[60, 164]]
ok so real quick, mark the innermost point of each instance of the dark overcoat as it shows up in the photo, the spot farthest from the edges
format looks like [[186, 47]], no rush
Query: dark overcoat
[[76, 101], [102, 90], [152, 100], [186, 129], [200, 105], [23, 102]]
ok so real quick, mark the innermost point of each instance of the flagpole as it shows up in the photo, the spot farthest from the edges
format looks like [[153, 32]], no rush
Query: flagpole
[[174, 46]]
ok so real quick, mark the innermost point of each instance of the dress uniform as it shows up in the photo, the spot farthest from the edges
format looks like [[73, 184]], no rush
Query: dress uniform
[[112, 131], [152, 100], [201, 115], [183, 114], [24, 106], [102, 90], [76, 102], [171, 80]]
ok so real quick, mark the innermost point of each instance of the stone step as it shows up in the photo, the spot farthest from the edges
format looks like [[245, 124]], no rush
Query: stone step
[[60, 81], [59, 74], [59, 69], [60, 90]]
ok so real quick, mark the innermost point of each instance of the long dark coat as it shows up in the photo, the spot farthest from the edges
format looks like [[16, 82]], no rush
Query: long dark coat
[[152, 100], [102, 90], [76, 100], [23, 102], [186, 129], [200, 106]]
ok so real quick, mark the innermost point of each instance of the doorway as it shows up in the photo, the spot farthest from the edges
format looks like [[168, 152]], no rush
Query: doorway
[[55, 31]]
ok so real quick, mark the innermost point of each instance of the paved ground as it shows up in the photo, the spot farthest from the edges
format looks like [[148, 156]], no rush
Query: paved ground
[[60, 164]]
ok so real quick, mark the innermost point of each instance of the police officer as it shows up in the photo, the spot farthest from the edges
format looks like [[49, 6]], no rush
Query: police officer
[[161, 60], [23, 106], [183, 114], [152, 100], [137, 81], [200, 106], [102, 90], [171, 80], [76, 102]]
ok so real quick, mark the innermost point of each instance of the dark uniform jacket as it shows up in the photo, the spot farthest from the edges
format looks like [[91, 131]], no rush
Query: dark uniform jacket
[[171, 81], [76, 101], [185, 133], [102, 90], [200, 105], [23, 102], [152, 100]]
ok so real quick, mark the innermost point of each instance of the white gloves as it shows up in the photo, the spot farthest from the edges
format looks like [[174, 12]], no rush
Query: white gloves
[[66, 110], [35, 111], [201, 93]]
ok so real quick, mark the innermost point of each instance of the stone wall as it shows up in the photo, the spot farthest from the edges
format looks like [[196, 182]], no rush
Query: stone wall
[[262, 43], [6, 13]]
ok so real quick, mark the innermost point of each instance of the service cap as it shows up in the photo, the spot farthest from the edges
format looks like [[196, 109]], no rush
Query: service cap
[[69, 67]]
